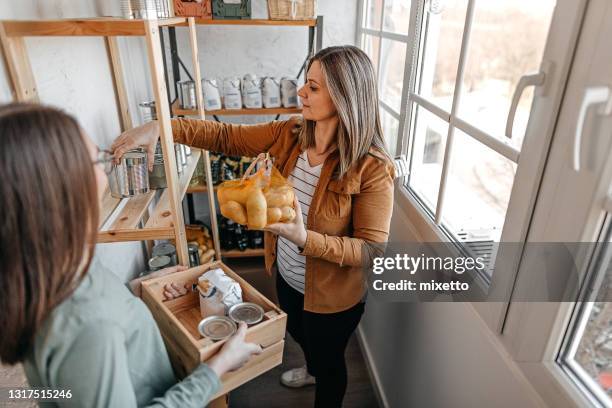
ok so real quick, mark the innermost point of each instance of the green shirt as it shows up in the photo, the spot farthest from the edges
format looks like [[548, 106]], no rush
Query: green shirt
[[103, 344]]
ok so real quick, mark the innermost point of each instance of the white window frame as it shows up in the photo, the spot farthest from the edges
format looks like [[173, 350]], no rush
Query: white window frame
[[531, 160]]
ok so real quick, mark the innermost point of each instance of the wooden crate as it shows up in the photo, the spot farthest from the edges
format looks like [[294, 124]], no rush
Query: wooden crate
[[178, 320], [292, 10], [193, 9]]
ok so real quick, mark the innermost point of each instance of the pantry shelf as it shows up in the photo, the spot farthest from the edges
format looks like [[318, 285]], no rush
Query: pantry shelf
[[99, 27], [176, 110], [258, 22], [236, 253], [124, 225], [200, 188]]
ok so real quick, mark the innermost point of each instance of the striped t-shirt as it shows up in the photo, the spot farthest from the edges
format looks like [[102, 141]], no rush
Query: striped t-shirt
[[291, 265]]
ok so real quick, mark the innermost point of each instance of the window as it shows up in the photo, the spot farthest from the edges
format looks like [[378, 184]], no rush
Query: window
[[587, 355], [467, 62], [383, 35]]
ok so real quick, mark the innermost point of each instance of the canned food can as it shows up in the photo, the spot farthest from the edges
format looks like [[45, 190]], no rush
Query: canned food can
[[194, 256], [187, 94], [247, 312], [159, 262], [217, 327], [131, 176], [165, 249]]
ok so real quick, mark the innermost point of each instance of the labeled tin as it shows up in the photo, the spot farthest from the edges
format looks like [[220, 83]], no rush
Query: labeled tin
[[131, 176], [247, 312], [194, 256], [187, 94], [217, 327]]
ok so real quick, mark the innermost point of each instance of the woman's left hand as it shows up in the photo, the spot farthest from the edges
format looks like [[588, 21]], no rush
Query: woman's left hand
[[294, 231], [135, 284]]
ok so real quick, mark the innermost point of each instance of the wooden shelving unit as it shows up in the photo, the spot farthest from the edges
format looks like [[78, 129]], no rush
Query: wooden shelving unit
[[126, 219], [200, 188], [315, 27], [178, 111], [236, 253]]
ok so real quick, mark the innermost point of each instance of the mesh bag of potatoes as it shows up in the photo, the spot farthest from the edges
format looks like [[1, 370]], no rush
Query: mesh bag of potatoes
[[259, 199]]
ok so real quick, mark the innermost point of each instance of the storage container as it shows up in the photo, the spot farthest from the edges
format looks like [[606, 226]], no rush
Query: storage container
[[212, 96], [131, 176], [187, 94], [292, 9], [251, 91], [289, 96], [193, 9], [232, 99], [178, 321], [231, 9]]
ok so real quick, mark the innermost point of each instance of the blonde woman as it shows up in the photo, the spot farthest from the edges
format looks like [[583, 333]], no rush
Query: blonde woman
[[343, 178]]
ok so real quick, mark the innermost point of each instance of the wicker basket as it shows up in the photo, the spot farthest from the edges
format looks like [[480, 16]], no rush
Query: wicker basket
[[292, 9], [193, 9]]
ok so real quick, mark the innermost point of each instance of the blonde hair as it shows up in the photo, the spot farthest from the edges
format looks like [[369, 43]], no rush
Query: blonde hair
[[352, 86]]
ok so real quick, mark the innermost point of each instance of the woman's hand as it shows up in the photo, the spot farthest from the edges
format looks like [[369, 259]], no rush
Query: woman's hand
[[136, 284], [234, 354], [145, 135], [172, 290], [294, 231]]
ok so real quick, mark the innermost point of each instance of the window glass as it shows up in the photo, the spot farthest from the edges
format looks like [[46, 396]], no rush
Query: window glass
[[428, 154], [477, 191], [373, 13], [391, 75], [440, 57], [507, 41], [371, 45], [390, 127], [397, 16]]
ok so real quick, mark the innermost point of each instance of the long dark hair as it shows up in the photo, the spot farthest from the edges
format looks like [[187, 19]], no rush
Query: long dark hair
[[49, 204]]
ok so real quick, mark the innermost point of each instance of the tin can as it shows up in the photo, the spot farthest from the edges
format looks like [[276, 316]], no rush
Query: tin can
[[250, 313], [165, 249], [131, 176], [194, 256], [179, 160], [187, 94], [159, 262], [217, 327], [148, 111]]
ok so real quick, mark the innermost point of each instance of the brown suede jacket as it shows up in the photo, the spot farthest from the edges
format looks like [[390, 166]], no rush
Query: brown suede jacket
[[343, 213]]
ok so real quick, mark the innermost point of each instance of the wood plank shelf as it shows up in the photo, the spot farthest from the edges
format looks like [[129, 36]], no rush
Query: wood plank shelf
[[258, 22], [99, 27], [176, 110], [124, 225], [200, 188], [236, 253]]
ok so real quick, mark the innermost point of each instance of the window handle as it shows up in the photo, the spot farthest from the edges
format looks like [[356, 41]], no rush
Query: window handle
[[536, 79], [595, 95]]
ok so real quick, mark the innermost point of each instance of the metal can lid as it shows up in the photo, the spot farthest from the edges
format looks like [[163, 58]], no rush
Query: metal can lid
[[193, 248], [135, 157], [158, 262], [164, 248], [247, 312], [217, 327]]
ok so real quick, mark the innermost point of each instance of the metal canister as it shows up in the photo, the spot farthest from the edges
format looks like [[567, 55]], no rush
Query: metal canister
[[187, 94], [187, 150], [159, 262], [157, 177], [183, 155], [179, 160], [131, 176], [148, 110], [165, 249], [194, 256]]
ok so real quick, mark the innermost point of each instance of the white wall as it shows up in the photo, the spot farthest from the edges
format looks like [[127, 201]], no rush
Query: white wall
[[73, 73], [438, 354]]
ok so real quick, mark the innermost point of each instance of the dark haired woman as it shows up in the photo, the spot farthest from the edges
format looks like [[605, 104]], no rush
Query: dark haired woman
[[77, 328], [343, 179]]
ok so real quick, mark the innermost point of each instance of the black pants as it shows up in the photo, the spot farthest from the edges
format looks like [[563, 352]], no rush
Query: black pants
[[323, 338]]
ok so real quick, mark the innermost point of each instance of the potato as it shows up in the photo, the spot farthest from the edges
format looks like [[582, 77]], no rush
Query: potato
[[234, 211]]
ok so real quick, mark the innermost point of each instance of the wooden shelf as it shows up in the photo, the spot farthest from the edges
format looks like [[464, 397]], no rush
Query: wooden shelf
[[176, 110], [126, 217], [258, 22], [236, 253], [199, 189], [99, 27]]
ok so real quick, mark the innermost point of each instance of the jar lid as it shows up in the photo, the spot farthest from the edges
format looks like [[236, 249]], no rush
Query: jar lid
[[164, 248], [217, 327], [192, 248], [247, 312], [158, 262]]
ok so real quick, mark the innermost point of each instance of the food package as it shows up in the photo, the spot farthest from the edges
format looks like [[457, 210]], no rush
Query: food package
[[251, 91], [217, 292], [212, 96], [231, 93], [257, 201], [289, 96], [271, 93]]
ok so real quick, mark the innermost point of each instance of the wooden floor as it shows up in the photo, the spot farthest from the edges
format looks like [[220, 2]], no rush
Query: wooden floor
[[266, 390]]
